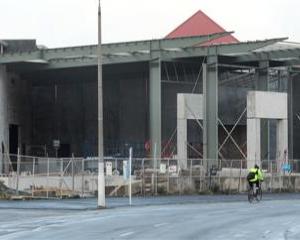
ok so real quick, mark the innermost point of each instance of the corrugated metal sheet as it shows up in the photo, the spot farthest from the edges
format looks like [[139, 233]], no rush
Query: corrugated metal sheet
[[201, 24]]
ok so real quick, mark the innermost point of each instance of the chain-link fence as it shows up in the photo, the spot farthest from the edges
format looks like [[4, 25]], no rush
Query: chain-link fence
[[70, 177]]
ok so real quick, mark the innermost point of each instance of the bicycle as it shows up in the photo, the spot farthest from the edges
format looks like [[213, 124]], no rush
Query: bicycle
[[254, 193]]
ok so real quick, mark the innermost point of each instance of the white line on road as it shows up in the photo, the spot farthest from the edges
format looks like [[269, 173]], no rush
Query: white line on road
[[160, 224], [126, 234]]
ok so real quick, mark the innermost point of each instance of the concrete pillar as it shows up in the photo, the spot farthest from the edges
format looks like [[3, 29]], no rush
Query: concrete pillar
[[181, 132], [3, 115], [290, 117], [210, 92], [262, 76], [155, 107], [14, 109], [155, 99], [253, 142], [266, 105], [282, 141], [262, 79], [189, 106]]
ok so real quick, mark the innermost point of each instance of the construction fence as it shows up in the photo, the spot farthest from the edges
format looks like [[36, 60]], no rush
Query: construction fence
[[70, 177]]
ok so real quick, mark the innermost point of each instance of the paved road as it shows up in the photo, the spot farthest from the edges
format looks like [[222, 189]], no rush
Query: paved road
[[196, 217]]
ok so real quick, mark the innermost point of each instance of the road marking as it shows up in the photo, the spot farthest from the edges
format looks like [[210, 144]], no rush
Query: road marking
[[126, 234], [160, 224]]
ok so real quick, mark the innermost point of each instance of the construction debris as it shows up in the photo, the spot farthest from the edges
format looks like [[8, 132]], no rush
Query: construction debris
[[53, 192], [5, 192]]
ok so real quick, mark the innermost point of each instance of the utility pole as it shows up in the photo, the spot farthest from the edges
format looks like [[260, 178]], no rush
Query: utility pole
[[101, 180]]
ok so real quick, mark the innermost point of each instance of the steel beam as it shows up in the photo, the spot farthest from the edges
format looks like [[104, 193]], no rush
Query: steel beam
[[134, 51], [222, 49], [22, 57], [90, 60], [185, 42], [210, 92], [289, 57], [83, 61], [129, 48]]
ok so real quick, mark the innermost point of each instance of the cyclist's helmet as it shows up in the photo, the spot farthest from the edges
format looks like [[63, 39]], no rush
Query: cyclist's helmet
[[256, 166]]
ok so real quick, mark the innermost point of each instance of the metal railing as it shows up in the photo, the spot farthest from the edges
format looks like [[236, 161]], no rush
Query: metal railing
[[65, 177]]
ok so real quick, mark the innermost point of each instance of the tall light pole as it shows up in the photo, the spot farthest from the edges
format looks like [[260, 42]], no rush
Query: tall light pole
[[101, 180]]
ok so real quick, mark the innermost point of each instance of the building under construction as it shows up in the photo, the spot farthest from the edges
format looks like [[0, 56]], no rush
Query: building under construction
[[49, 96]]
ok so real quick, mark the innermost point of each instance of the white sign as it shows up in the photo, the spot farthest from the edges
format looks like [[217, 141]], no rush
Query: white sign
[[125, 170], [172, 169], [56, 143], [108, 166], [163, 168]]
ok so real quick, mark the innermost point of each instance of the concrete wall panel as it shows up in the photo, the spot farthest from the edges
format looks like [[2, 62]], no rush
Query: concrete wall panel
[[266, 105], [189, 106], [270, 105]]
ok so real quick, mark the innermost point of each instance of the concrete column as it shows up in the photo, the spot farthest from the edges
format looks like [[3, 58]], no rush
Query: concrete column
[[265, 105], [155, 106], [282, 141], [262, 78], [181, 132], [253, 142], [290, 118], [210, 123], [3, 115]]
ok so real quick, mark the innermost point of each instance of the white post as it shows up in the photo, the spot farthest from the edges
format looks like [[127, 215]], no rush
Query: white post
[[47, 176], [101, 179], [271, 182], [33, 173], [130, 161], [240, 179], [253, 142], [73, 175], [191, 171], [155, 169], [181, 131], [143, 179], [82, 177], [61, 175], [18, 171], [200, 174], [282, 143], [168, 187]]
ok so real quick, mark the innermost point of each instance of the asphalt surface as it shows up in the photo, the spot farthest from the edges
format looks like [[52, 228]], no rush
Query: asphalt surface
[[182, 217]]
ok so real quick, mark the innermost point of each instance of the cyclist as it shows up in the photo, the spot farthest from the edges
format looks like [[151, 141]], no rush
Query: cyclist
[[255, 176]]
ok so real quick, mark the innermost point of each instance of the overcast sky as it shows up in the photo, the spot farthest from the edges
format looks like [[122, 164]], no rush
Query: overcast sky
[[58, 23]]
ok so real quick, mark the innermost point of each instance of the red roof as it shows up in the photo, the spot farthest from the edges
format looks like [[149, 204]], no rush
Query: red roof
[[201, 24]]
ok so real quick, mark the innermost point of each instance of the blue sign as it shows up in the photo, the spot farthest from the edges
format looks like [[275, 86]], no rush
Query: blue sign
[[286, 167]]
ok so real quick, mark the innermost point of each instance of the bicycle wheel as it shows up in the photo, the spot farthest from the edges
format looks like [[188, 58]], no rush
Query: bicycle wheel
[[259, 194], [250, 195]]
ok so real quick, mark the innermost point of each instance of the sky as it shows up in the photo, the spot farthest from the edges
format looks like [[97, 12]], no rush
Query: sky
[[59, 23]]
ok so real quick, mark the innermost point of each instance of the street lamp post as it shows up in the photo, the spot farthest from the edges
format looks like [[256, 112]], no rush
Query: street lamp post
[[101, 180]]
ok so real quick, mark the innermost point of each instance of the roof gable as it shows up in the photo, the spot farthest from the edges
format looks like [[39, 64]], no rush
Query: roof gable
[[201, 24]]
